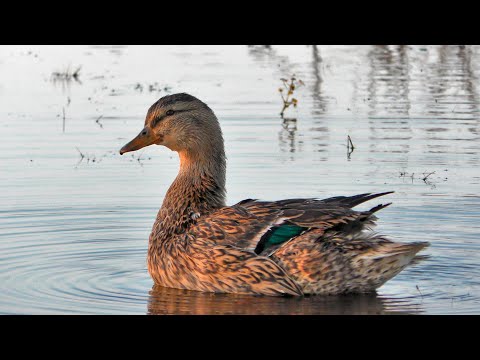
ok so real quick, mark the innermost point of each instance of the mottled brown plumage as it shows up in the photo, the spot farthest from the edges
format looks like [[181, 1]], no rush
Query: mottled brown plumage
[[286, 247]]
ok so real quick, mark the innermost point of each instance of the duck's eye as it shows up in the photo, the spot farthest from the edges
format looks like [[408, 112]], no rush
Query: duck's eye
[[170, 112]]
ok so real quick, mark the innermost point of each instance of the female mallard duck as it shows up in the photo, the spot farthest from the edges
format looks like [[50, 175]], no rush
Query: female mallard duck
[[293, 246]]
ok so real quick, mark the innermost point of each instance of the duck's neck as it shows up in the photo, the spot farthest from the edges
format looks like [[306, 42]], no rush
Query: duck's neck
[[198, 189]]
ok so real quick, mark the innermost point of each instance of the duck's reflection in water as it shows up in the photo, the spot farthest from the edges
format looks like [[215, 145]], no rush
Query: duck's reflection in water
[[163, 301]]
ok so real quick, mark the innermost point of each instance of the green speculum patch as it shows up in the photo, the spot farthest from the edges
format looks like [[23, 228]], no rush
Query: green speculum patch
[[278, 235]]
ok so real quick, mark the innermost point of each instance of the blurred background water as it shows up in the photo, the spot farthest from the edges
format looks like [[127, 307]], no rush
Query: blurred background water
[[75, 216]]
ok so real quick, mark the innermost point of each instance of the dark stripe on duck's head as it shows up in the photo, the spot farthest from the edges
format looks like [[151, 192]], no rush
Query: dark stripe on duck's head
[[167, 103], [174, 98]]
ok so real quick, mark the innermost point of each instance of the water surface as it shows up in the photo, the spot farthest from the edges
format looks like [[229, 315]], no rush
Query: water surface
[[74, 231]]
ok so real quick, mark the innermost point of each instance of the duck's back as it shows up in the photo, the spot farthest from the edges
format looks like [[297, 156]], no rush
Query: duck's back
[[322, 245]]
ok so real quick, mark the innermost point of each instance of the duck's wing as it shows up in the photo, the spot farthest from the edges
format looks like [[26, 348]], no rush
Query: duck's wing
[[330, 263], [236, 225], [225, 268], [260, 225]]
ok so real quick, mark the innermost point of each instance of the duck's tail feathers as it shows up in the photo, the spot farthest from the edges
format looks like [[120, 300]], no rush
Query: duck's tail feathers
[[396, 250], [352, 201], [383, 263], [378, 208]]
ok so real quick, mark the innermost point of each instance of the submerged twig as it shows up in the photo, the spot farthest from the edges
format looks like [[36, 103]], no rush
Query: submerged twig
[[98, 121], [139, 159], [419, 291], [76, 73], [67, 75], [63, 109], [350, 142], [350, 147], [425, 177], [81, 154]]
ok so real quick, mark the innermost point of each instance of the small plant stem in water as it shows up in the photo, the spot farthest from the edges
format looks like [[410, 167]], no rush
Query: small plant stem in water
[[350, 147], [98, 121], [350, 143]]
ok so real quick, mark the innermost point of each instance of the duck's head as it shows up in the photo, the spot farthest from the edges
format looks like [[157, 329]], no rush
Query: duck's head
[[180, 122]]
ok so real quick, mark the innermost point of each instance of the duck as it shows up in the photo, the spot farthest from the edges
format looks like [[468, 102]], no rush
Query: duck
[[289, 247]]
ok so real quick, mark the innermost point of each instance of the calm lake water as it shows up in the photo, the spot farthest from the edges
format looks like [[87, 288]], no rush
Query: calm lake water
[[74, 231]]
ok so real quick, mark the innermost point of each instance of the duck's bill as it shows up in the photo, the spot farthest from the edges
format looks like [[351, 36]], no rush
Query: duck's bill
[[145, 138]]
